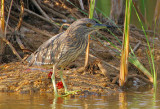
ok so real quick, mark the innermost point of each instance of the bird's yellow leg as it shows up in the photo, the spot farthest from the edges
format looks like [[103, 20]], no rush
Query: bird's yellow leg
[[64, 84], [65, 87], [53, 81]]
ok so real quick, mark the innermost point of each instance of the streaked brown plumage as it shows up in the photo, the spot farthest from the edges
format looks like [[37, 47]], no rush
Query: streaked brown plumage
[[65, 47]]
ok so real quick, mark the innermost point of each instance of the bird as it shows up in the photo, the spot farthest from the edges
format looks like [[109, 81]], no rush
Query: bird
[[65, 47]]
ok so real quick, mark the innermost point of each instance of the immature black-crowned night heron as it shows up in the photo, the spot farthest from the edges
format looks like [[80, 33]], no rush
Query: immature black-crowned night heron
[[65, 47]]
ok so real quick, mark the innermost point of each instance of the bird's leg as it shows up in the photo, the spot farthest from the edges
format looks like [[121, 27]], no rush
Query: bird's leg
[[64, 84], [65, 87], [53, 81]]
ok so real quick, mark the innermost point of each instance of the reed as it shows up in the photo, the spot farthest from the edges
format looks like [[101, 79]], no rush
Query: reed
[[150, 55], [91, 8], [2, 28], [91, 12], [125, 45], [131, 57]]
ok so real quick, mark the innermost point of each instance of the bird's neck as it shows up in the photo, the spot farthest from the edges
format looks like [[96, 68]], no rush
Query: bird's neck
[[79, 35], [77, 38]]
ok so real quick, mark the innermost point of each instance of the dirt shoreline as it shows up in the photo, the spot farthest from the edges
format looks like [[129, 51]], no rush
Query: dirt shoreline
[[16, 77]]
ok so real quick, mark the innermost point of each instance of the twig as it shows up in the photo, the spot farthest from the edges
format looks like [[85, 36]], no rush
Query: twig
[[39, 8], [19, 25], [70, 10], [8, 18], [10, 45], [60, 30], [20, 16], [137, 45], [81, 4], [42, 12], [20, 43], [2, 28], [53, 12], [33, 28], [41, 17]]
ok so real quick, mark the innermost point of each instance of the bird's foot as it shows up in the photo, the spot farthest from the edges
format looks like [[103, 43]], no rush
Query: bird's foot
[[70, 93]]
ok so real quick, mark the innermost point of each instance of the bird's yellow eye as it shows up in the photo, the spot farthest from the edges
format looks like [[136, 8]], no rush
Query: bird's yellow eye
[[88, 24]]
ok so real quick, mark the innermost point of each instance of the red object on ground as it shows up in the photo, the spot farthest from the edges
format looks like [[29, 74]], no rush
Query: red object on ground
[[49, 75], [59, 85]]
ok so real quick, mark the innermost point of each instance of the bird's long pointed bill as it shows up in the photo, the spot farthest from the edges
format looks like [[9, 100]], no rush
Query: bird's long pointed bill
[[100, 26]]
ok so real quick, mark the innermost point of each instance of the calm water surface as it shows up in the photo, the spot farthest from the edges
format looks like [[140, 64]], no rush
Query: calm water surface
[[122, 100]]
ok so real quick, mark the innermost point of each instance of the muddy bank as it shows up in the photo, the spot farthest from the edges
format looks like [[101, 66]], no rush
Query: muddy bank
[[16, 77]]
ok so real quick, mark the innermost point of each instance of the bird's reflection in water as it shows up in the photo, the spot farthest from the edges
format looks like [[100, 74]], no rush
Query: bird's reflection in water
[[58, 101]]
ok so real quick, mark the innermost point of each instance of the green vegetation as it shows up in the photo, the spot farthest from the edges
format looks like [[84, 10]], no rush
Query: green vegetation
[[132, 57], [125, 47], [91, 8], [150, 55]]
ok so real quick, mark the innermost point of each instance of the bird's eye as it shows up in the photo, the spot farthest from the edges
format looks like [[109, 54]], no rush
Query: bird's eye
[[88, 24]]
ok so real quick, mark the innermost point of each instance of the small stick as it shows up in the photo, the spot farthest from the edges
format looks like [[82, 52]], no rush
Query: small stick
[[42, 12], [20, 43], [19, 25], [81, 4], [9, 11], [10, 45], [70, 10], [41, 17], [53, 12], [20, 16], [33, 28], [40, 9], [60, 30], [87, 53], [137, 45]]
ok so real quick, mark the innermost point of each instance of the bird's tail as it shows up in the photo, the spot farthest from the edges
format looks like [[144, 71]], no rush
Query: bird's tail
[[31, 59]]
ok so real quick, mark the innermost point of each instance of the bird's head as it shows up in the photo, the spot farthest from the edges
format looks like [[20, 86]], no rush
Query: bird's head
[[84, 26]]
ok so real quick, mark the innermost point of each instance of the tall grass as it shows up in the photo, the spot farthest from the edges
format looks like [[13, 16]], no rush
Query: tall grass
[[150, 55], [2, 16], [125, 46], [2, 28], [91, 12], [91, 8], [132, 57]]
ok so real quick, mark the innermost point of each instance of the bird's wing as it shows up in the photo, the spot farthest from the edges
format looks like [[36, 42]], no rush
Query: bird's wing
[[69, 50], [47, 52]]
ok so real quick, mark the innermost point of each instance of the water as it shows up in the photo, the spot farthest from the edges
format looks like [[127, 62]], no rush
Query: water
[[122, 100]]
